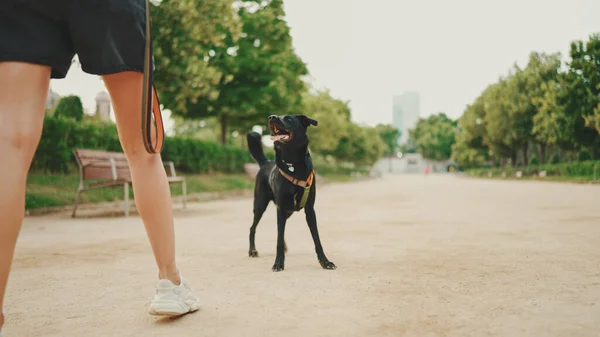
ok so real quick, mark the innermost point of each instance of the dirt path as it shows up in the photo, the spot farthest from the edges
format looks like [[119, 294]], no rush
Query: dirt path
[[435, 256]]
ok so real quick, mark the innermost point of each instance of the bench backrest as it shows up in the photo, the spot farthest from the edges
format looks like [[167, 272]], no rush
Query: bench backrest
[[97, 164]]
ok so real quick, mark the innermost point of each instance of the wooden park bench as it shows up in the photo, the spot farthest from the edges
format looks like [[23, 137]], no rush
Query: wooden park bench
[[99, 169]]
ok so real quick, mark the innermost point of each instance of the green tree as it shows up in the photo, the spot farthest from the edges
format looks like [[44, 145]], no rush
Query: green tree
[[260, 73], [499, 138], [525, 88], [408, 147], [204, 129], [434, 136], [333, 116], [542, 74], [390, 135], [464, 154], [362, 146], [520, 110], [550, 124], [580, 94], [375, 145], [185, 35], [471, 147], [69, 107]]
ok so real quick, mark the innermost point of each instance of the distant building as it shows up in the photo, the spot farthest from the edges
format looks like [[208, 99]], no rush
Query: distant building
[[405, 113], [410, 163], [52, 99], [103, 106]]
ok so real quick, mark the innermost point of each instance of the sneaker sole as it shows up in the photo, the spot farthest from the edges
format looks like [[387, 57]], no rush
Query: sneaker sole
[[172, 309]]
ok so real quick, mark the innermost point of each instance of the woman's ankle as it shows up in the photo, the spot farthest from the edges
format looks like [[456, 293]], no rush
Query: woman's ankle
[[171, 274]]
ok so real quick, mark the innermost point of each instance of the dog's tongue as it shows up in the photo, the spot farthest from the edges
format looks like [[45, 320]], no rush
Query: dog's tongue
[[279, 137]]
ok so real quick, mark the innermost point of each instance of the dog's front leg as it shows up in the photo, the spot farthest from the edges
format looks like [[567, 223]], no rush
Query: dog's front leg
[[311, 220], [280, 257]]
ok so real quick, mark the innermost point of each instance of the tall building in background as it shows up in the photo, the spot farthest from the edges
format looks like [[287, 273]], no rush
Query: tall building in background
[[103, 106], [52, 99], [405, 113]]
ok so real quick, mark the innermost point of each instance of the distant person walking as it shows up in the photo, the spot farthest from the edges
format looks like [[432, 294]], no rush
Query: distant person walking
[[38, 40]]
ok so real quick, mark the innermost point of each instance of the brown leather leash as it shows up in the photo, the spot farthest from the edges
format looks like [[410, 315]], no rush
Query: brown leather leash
[[151, 114]]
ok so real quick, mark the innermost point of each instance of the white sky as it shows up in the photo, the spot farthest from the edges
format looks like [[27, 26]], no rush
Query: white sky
[[447, 50]]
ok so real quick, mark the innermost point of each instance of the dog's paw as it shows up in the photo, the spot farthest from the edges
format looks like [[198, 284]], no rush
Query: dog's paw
[[328, 265], [253, 253], [278, 266]]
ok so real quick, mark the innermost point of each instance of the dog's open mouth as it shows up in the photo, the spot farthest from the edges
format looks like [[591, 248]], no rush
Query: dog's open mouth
[[279, 134]]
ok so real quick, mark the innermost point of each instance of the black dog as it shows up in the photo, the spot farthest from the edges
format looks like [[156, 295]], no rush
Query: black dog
[[289, 182]]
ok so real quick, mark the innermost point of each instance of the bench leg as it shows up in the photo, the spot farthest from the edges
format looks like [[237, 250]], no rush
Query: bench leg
[[79, 190], [184, 190], [126, 189]]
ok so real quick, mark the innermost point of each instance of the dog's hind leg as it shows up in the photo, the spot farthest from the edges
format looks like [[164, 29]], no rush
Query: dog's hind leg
[[260, 205]]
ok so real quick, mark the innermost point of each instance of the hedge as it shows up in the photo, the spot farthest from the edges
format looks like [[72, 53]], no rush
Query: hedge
[[61, 135], [572, 169]]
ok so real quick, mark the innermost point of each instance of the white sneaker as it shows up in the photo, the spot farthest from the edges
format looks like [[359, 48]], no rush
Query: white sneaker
[[173, 300]]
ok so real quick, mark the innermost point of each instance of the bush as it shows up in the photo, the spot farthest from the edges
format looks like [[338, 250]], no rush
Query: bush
[[327, 165], [555, 159], [574, 169], [62, 135], [69, 107], [196, 156], [534, 160], [584, 155]]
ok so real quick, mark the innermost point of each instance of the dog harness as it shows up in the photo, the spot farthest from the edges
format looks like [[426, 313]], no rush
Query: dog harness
[[150, 103], [305, 184]]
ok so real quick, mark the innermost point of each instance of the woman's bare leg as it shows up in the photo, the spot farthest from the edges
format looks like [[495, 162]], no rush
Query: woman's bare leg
[[152, 196], [23, 92], [150, 186]]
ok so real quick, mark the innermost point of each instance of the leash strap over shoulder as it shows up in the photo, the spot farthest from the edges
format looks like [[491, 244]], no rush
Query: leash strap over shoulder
[[151, 114]]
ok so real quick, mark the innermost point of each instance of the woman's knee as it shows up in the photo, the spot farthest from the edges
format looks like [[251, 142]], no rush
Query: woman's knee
[[21, 137], [23, 90], [138, 156]]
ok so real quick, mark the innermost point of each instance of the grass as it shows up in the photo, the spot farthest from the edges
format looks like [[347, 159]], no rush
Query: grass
[[53, 190], [574, 172], [570, 179], [56, 190]]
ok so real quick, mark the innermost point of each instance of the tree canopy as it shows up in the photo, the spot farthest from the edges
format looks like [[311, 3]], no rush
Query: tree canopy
[[241, 70], [434, 136], [550, 106]]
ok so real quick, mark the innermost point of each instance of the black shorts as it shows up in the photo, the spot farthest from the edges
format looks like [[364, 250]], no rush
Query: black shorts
[[108, 36]]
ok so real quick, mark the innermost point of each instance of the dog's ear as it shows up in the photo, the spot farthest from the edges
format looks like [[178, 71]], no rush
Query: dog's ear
[[308, 121]]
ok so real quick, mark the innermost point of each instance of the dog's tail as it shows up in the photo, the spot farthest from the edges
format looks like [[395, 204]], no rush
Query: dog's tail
[[255, 147]]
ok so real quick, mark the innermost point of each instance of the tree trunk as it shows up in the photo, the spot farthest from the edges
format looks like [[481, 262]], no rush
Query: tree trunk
[[223, 121], [525, 156], [542, 153], [513, 158]]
